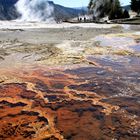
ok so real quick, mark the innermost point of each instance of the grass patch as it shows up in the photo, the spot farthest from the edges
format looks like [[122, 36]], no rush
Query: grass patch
[[123, 52]]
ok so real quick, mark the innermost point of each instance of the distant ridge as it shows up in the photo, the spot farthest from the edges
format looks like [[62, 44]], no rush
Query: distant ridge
[[63, 13], [127, 7], [9, 12]]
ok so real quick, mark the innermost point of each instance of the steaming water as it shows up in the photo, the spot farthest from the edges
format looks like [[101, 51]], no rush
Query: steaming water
[[115, 41], [35, 10]]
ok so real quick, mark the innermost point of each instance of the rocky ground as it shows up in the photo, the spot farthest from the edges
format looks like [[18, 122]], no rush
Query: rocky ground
[[75, 82]]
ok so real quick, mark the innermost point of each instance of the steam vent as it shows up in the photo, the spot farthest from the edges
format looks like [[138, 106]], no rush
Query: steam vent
[[67, 75]]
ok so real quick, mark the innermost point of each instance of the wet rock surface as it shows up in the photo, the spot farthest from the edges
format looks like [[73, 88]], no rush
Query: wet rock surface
[[77, 89], [78, 102]]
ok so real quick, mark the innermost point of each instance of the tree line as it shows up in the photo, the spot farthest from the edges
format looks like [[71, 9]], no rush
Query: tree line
[[112, 8], [135, 6]]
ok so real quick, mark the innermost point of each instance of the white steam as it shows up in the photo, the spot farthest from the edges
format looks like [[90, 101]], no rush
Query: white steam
[[35, 10], [98, 6]]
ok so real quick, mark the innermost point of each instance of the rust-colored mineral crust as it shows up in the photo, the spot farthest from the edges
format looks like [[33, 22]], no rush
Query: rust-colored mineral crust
[[78, 103]]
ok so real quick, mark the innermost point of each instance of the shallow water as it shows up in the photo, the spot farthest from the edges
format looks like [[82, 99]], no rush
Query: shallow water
[[115, 41], [80, 96], [136, 48], [99, 98]]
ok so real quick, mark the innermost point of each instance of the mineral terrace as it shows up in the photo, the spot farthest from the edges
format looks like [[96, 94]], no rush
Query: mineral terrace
[[69, 82]]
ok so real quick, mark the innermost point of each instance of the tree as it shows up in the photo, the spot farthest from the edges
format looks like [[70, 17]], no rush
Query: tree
[[135, 6], [116, 10], [102, 8], [126, 14], [90, 6]]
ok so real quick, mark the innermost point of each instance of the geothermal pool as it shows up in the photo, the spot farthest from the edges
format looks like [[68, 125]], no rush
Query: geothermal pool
[[69, 82]]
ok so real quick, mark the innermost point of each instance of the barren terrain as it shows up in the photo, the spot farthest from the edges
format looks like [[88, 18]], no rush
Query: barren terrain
[[69, 81]]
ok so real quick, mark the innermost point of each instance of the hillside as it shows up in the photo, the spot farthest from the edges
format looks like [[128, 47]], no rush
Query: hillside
[[127, 7], [63, 13], [9, 12]]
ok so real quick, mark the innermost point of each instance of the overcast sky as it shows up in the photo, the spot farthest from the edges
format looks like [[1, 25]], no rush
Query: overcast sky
[[80, 3]]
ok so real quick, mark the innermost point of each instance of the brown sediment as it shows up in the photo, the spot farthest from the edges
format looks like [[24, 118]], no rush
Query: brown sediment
[[97, 99], [59, 103]]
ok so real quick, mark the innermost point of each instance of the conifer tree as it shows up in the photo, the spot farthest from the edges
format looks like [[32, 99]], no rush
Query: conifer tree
[[135, 6], [111, 8], [126, 14]]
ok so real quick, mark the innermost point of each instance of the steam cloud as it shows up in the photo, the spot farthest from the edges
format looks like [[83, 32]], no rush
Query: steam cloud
[[98, 7], [98, 3], [35, 10]]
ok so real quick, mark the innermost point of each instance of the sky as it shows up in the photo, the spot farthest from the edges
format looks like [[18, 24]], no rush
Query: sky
[[81, 3]]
